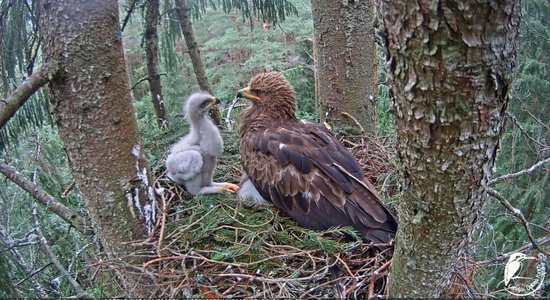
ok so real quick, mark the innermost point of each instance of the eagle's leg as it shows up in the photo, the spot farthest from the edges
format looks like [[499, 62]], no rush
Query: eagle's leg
[[247, 191]]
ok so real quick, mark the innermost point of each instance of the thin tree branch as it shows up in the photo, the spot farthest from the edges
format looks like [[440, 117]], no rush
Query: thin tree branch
[[505, 256], [530, 170], [303, 48], [33, 273], [68, 189], [144, 79], [128, 14], [525, 109], [516, 212], [228, 121], [10, 105], [8, 242], [523, 130], [56, 207], [46, 247], [346, 114]]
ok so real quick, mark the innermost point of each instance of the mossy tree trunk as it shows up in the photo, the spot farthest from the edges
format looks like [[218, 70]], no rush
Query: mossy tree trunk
[[195, 55], [450, 67], [153, 62], [93, 110], [346, 61]]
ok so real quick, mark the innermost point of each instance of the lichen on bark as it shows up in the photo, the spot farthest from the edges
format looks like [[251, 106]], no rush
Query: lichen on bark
[[346, 61], [450, 65], [93, 110]]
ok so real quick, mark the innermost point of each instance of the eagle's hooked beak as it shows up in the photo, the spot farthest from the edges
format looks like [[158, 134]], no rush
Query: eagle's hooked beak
[[213, 102], [245, 93]]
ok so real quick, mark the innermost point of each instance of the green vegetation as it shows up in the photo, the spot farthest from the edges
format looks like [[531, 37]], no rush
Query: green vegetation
[[234, 49]]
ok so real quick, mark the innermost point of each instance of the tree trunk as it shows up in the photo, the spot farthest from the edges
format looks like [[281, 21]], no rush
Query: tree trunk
[[96, 120], [450, 67], [153, 64], [195, 54], [346, 61]]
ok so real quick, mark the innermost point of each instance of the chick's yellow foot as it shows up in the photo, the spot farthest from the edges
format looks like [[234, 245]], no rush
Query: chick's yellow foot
[[231, 188], [227, 188]]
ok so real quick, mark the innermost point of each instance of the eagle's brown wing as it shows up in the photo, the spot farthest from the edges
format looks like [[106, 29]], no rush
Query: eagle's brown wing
[[306, 172]]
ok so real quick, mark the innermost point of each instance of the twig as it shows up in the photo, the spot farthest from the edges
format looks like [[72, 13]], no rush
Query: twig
[[345, 265], [10, 105], [68, 189], [162, 224], [32, 274], [128, 14], [504, 257], [345, 114], [532, 115], [276, 280], [144, 79], [382, 267], [9, 243], [46, 247], [516, 212], [228, 121], [523, 130], [530, 170], [44, 198], [304, 49], [371, 288]]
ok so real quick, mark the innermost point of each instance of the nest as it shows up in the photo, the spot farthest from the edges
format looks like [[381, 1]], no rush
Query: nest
[[371, 155], [217, 246], [221, 247]]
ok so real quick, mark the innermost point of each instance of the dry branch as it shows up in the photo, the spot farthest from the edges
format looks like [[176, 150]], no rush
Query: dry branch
[[516, 212], [530, 170], [128, 15], [47, 200], [228, 120], [524, 131], [10, 246], [146, 78], [346, 114], [46, 247], [10, 105], [505, 256]]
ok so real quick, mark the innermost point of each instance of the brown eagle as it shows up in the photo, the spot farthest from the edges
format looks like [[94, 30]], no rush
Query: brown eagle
[[302, 168]]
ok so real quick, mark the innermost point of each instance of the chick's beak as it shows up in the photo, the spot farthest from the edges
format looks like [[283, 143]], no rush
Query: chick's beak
[[245, 93], [213, 102]]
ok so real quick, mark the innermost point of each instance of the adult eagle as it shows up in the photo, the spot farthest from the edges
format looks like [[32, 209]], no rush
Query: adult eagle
[[302, 168]]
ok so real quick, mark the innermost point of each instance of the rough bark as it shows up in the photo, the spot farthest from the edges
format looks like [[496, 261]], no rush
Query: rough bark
[[450, 66], [10, 105], [44, 198], [93, 110], [153, 64], [346, 61], [195, 55]]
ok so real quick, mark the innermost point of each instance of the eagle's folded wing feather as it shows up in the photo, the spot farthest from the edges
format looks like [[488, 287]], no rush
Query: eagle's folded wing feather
[[314, 179]]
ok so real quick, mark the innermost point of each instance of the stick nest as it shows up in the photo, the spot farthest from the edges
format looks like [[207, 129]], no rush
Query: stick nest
[[215, 246]]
